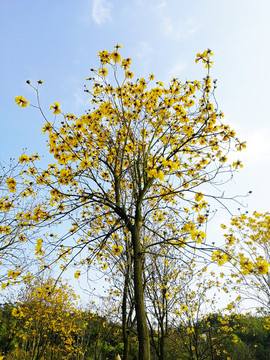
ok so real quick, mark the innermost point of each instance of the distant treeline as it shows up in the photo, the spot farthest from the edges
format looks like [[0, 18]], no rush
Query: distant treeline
[[94, 338]]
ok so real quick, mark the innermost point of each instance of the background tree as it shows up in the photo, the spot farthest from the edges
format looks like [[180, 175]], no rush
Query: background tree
[[139, 155], [166, 277], [247, 243], [48, 317], [14, 249]]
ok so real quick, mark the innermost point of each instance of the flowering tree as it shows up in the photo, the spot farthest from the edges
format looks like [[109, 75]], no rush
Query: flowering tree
[[13, 254], [143, 154], [166, 277], [48, 318], [248, 250]]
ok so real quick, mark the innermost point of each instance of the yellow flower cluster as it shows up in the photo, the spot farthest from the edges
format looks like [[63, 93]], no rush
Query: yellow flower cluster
[[220, 257], [205, 58], [11, 184]]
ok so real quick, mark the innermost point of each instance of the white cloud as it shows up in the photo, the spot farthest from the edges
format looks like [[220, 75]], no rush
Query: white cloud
[[177, 69], [192, 26], [152, 4], [81, 101], [101, 11], [179, 30], [258, 148], [145, 50], [162, 4], [168, 26]]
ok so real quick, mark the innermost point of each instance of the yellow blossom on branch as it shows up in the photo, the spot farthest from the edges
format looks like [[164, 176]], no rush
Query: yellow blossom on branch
[[20, 101], [56, 108], [77, 274], [237, 164], [24, 159], [116, 57], [220, 257]]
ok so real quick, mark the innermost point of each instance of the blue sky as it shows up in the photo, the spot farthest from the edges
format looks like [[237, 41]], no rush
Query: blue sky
[[58, 41]]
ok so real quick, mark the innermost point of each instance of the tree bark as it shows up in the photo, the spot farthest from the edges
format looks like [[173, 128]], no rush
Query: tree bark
[[142, 327], [126, 336]]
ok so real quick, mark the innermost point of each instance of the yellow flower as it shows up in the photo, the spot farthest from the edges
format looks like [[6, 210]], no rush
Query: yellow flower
[[77, 274], [223, 159], [235, 339], [205, 57], [103, 71], [20, 100], [11, 183], [126, 63], [241, 146], [262, 267], [47, 126], [198, 197], [15, 312], [237, 164], [38, 247], [24, 158], [116, 57], [104, 57], [220, 257], [246, 265], [56, 108], [157, 175], [201, 219], [129, 74], [117, 249], [161, 175], [22, 237]]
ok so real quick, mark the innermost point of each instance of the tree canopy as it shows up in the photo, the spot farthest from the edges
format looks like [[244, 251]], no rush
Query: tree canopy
[[135, 174]]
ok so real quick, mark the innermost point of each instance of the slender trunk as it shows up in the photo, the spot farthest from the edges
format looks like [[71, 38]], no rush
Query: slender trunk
[[162, 353], [124, 317], [142, 328], [126, 346], [163, 325]]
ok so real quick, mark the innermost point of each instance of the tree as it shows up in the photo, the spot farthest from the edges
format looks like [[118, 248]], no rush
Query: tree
[[120, 279], [166, 278], [247, 243], [13, 246], [144, 153], [48, 318]]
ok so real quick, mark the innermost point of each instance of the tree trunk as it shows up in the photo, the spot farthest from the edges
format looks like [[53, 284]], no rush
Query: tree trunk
[[125, 331], [162, 344], [142, 328]]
